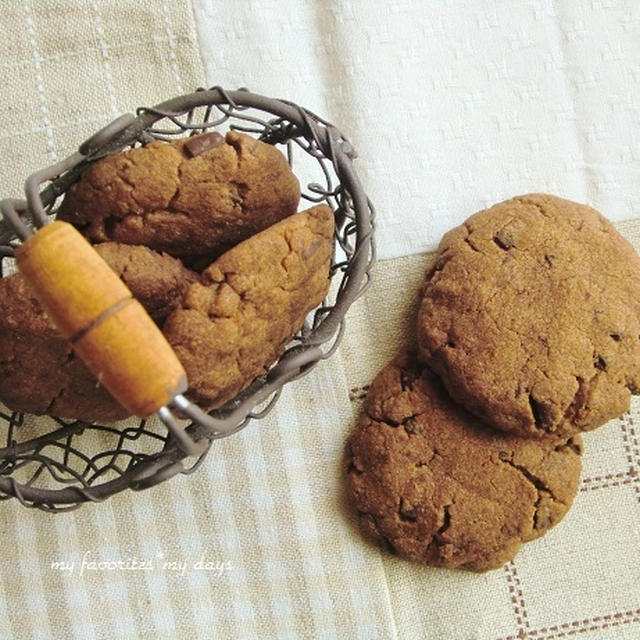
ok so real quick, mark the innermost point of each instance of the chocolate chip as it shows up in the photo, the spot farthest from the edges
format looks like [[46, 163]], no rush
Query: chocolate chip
[[600, 363], [199, 144], [407, 511]]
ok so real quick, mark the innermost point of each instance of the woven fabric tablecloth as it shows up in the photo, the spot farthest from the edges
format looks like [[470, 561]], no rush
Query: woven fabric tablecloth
[[451, 108]]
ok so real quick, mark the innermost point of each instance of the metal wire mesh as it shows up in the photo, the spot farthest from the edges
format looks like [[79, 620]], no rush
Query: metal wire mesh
[[54, 464]]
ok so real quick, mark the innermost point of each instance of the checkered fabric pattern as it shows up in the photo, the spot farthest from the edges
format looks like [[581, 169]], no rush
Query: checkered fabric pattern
[[71, 67], [258, 543]]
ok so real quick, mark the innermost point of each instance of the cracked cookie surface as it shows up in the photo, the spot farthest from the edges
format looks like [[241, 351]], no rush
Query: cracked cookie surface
[[250, 302], [39, 372], [530, 314], [437, 486], [198, 207]]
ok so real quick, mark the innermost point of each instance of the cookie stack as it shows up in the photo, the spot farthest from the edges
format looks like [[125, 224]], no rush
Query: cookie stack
[[528, 334], [204, 232]]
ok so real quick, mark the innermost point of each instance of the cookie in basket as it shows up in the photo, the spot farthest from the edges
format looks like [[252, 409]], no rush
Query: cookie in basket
[[193, 198], [237, 320], [439, 487], [39, 372], [531, 316]]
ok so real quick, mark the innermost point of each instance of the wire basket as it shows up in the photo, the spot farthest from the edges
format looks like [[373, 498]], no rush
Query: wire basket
[[57, 465]]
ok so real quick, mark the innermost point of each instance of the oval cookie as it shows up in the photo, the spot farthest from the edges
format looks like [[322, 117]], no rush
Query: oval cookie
[[188, 199], [39, 372], [249, 304]]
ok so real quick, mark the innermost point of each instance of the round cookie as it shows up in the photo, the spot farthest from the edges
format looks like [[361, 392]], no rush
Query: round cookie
[[439, 487], [250, 303], [531, 316], [194, 197], [39, 372]]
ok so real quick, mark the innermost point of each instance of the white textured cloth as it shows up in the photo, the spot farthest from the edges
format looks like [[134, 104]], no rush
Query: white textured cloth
[[452, 105], [451, 108]]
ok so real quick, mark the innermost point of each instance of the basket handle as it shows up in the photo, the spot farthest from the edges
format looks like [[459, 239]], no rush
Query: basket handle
[[93, 309]]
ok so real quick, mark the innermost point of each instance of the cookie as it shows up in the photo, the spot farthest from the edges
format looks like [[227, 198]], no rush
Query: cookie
[[193, 197], [39, 372], [531, 316], [437, 486], [157, 281], [249, 304]]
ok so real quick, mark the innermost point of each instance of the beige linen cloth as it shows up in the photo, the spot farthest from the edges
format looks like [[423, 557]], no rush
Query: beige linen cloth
[[257, 543]]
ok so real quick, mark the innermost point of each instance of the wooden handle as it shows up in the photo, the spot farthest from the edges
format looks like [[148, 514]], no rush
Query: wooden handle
[[95, 311]]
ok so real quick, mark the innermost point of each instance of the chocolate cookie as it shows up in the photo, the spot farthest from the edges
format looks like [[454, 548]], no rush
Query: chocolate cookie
[[39, 372], [193, 197], [249, 304], [531, 316], [439, 487]]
